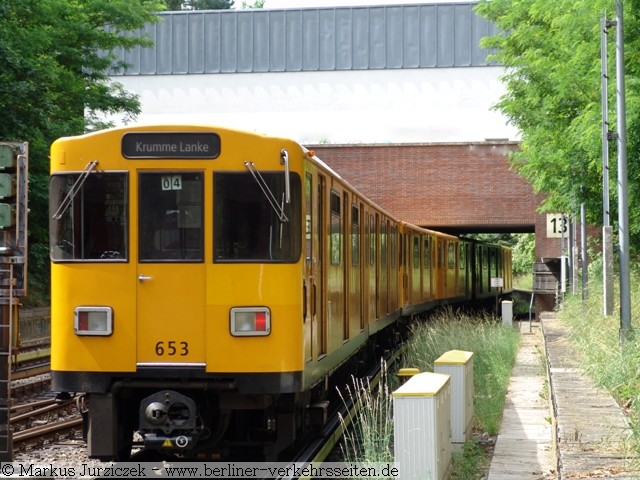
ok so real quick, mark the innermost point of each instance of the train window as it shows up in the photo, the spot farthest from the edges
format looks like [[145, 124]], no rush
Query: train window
[[246, 227], [394, 245], [94, 225], [335, 229], [452, 255], [416, 252], [355, 236], [170, 221], [383, 244], [308, 189], [440, 254], [425, 253], [463, 255], [372, 240]]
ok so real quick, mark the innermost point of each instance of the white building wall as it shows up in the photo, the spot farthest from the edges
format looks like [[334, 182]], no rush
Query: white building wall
[[353, 106]]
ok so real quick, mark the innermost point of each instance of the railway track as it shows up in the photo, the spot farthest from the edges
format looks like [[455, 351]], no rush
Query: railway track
[[43, 421], [30, 368]]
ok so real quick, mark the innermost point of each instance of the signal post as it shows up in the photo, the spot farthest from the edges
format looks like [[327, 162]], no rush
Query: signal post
[[13, 270]]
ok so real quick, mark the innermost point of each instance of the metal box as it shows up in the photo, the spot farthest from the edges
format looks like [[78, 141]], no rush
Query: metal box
[[7, 215], [7, 156], [459, 365], [7, 185], [422, 427], [507, 313]]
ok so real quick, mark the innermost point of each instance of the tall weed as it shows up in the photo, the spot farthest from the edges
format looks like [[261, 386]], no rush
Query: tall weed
[[494, 350], [371, 437]]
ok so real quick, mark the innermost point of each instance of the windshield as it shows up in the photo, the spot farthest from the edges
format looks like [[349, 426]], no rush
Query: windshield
[[94, 225], [246, 226], [170, 223]]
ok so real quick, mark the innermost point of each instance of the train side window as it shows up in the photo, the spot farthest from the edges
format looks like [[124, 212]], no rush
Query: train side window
[[372, 240], [246, 228], [308, 188], [463, 255], [94, 227], [452, 255], [383, 243], [416, 252], [335, 229], [394, 246], [355, 236], [425, 253], [170, 217]]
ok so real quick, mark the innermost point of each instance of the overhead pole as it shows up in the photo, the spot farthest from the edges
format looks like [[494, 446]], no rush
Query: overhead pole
[[607, 230], [623, 198]]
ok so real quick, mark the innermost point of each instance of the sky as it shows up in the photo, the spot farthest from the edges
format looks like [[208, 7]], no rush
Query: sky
[[344, 3]]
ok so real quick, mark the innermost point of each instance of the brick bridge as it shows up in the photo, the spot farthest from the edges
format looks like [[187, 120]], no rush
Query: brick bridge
[[453, 187]]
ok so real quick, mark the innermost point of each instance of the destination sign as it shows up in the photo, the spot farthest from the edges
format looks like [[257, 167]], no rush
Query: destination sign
[[187, 145]]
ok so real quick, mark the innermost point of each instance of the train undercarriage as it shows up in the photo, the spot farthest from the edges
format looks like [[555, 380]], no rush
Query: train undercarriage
[[209, 421]]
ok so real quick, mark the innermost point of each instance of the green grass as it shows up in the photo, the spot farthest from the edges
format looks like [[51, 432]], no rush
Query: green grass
[[370, 440], [494, 350], [523, 282], [370, 437]]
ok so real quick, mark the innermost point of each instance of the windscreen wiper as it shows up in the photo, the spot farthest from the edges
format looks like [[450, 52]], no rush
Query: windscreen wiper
[[73, 191], [266, 190]]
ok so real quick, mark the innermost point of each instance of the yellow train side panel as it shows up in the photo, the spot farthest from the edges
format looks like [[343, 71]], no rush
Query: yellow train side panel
[[278, 286], [115, 353]]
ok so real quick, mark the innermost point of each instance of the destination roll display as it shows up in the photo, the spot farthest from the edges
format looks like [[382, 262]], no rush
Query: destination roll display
[[171, 145]]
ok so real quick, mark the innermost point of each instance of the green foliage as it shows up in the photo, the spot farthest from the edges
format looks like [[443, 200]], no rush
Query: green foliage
[[524, 254], [551, 50], [54, 57], [255, 4], [466, 464]]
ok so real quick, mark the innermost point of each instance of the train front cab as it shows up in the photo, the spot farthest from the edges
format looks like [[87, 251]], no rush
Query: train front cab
[[150, 307]]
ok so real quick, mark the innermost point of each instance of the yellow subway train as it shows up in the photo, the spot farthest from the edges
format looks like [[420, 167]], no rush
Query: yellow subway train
[[206, 282]]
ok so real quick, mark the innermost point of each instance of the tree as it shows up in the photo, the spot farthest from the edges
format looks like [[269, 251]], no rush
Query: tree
[[177, 5], [257, 4], [54, 58], [551, 52]]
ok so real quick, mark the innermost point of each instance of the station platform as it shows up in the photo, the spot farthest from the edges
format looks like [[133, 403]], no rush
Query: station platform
[[556, 423]]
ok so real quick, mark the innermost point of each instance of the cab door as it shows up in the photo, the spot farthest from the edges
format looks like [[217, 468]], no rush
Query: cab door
[[171, 275]]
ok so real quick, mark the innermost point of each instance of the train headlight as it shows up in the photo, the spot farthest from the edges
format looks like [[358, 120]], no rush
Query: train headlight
[[250, 321], [93, 321]]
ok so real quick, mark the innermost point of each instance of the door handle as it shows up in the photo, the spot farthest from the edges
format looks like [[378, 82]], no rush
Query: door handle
[[143, 278]]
